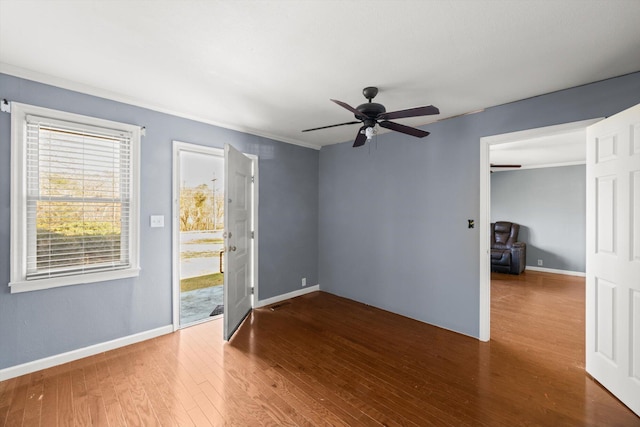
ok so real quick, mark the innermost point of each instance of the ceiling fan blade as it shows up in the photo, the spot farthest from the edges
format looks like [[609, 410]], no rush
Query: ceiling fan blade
[[361, 138], [411, 112], [332, 126], [404, 129], [505, 166], [349, 107]]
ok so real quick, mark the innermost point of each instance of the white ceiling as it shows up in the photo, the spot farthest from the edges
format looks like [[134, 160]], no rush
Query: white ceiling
[[563, 149], [269, 67]]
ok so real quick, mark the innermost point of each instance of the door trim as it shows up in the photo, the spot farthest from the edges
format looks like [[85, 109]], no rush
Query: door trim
[[484, 330], [256, 234]]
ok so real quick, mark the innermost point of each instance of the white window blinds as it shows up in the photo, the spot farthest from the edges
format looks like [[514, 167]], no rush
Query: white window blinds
[[78, 202]]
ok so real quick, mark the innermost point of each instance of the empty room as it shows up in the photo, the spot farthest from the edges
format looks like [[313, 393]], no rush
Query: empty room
[[296, 213]]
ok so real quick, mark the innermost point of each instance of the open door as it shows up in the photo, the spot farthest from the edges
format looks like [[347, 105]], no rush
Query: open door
[[613, 255], [238, 210]]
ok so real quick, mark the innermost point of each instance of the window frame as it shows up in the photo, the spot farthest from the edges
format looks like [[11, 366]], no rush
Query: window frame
[[19, 238]]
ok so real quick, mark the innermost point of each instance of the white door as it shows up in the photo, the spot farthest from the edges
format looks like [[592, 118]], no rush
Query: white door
[[613, 255], [237, 225]]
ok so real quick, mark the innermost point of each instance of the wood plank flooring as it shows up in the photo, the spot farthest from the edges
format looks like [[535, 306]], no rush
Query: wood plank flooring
[[321, 360]]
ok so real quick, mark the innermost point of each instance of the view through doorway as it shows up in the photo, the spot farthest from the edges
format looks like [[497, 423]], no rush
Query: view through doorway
[[487, 144], [200, 207]]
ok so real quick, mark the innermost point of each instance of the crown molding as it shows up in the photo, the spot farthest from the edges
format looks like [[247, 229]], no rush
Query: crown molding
[[119, 97]]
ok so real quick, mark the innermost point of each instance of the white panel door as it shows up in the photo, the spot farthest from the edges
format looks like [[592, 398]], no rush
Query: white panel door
[[237, 225], [613, 255]]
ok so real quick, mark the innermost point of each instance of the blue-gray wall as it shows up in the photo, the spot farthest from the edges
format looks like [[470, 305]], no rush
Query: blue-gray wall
[[393, 214], [38, 324], [390, 218], [550, 206]]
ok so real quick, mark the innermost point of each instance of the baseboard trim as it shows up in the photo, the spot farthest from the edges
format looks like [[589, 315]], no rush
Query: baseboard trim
[[70, 356], [553, 270], [287, 296]]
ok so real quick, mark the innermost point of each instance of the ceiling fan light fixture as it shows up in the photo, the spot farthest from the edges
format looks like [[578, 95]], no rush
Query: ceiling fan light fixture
[[369, 132]]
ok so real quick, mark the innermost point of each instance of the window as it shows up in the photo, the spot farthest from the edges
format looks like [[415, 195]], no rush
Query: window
[[74, 199]]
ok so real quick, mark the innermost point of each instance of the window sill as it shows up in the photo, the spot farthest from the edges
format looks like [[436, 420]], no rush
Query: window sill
[[56, 282]]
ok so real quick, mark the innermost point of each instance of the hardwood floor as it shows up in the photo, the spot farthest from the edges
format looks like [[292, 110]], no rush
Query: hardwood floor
[[324, 360]]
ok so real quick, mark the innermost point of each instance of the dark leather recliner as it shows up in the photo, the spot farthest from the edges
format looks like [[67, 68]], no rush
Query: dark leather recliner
[[507, 254]]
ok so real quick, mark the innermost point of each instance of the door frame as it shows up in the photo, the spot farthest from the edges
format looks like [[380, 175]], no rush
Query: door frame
[[179, 146], [484, 331]]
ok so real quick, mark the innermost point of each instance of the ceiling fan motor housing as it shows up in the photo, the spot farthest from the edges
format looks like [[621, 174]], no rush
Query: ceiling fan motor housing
[[370, 110]]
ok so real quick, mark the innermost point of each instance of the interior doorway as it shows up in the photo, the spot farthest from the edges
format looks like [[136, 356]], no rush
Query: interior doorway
[[198, 227], [485, 205]]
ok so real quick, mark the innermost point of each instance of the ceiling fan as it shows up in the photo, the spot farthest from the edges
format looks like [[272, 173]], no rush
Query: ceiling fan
[[371, 114], [493, 165]]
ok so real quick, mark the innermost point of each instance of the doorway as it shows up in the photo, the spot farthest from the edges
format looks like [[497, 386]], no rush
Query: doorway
[[485, 205], [198, 227]]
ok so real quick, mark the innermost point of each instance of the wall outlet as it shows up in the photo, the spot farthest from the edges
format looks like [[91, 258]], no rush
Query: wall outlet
[[304, 282], [539, 262], [157, 220]]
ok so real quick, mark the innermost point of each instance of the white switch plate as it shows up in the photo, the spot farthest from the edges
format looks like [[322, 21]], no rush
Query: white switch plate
[[157, 221]]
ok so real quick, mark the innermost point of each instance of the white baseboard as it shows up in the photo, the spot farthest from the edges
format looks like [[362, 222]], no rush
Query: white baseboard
[[553, 270], [70, 356], [287, 296]]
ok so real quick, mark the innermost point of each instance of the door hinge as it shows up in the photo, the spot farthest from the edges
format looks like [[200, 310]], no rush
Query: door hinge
[[252, 290], [253, 179], [253, 236]]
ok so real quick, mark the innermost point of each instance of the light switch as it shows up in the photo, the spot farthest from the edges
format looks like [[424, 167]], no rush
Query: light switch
[[157, 220]]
